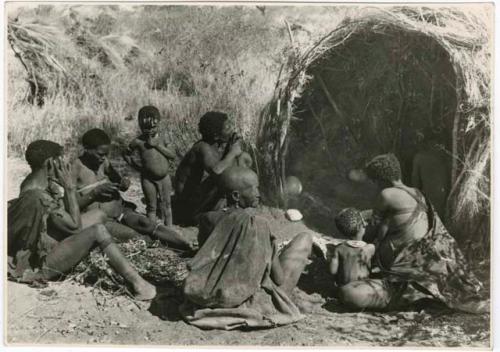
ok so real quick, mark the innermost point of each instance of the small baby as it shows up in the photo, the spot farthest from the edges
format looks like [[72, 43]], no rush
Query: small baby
[[351, 260]]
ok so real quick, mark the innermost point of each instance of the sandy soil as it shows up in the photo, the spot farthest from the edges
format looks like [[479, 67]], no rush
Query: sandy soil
[[70, 313]]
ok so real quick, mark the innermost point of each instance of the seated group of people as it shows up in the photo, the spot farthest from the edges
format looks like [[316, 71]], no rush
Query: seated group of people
[[238, 277]]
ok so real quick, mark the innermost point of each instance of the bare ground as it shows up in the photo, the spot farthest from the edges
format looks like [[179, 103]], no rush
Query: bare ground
[[69, 313]]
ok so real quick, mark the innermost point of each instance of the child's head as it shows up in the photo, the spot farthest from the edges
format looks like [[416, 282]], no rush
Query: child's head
[[350, 223], [148, 117]]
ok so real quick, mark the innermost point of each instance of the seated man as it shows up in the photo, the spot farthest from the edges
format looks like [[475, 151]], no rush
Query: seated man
[[98, 185], [351, 260], [196, 177], [237, 279]]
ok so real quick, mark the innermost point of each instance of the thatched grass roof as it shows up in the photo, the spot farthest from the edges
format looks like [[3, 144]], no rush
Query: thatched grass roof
[[465, 34]]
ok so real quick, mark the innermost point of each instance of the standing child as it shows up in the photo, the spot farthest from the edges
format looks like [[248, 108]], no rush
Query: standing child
[[154, 154], [351, 260]]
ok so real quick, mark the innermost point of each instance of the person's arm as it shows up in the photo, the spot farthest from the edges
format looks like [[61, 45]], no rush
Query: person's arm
[[122, 182], [277, 274], [84, 200], [160, 145], [113, 175], [416, 180], [211, 162], [127, 156], [67, 221], [382, 209], [334, 262], [244, 160]]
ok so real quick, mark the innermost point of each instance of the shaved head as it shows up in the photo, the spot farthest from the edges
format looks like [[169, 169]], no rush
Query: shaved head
[[241, 185], [236, 178]]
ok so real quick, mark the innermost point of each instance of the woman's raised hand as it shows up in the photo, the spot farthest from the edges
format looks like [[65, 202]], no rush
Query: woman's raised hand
[[62, 173]]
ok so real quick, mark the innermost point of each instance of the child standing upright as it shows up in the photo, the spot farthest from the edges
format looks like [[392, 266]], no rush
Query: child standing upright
[[155, 156]]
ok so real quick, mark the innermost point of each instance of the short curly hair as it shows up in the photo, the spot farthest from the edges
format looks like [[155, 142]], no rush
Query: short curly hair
[[94, 138], [41, 150], [349, 221], [211, 124], [384, 168]]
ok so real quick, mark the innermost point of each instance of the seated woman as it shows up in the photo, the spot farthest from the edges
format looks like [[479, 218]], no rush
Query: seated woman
[[237, 279], [46, 234], [416, 255]]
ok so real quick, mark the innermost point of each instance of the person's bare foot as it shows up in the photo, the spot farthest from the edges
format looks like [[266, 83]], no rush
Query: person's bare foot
[[145, 291]]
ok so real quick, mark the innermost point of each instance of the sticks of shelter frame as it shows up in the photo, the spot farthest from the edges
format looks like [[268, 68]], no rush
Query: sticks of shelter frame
[[465, 35]]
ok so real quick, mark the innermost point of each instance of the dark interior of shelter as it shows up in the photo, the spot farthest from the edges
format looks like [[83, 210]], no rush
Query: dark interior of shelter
[[378, 92]]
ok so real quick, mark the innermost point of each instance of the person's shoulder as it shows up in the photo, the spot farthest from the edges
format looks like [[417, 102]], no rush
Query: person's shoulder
[[390, 193], [76, 166], [251, 215], [202, 146], [211, 217], [77, 162], [369, 248], [36, 196]]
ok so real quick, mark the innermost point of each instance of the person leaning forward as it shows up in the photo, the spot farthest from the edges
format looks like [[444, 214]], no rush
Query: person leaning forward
[[99, 184], [195, 182]]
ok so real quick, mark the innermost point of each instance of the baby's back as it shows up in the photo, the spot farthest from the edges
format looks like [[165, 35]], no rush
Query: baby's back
[[354, 261]]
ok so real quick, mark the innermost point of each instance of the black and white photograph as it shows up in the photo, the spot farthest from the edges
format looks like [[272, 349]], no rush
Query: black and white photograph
[[248, 174]]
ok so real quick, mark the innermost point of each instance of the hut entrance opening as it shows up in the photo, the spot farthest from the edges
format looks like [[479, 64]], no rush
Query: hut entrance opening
[[380, 91]]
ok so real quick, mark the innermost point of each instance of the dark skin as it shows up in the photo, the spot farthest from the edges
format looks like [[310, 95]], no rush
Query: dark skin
[[154, 167], [75, 240], [94, 165], [392, 198], [68, 222], [207, 156], [153, 152], [352, 262], [207, 159], [242, 189], [430, 174]]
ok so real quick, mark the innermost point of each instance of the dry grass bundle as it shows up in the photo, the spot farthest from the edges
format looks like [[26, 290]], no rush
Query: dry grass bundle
[[157, 264], [464, 33], [122, 60], [35, 45]]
